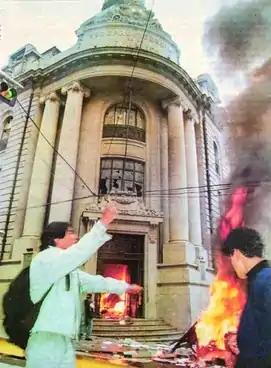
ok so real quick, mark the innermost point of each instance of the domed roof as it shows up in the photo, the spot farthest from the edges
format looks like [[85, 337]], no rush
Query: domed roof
[[108, 3], [122, 23]]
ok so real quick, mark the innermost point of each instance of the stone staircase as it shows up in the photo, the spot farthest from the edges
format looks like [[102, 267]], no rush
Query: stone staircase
[[142, 330]]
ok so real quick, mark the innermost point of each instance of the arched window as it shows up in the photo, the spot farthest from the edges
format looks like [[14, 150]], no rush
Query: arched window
[[5, 133], [122, 121], [119, 174], [217, 158]]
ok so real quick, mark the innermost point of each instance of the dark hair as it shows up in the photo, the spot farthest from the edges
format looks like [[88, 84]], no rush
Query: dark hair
[[247, 241], [55, 230]]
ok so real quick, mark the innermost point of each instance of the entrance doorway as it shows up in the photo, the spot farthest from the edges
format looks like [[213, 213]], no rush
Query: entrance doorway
[[121, 258]]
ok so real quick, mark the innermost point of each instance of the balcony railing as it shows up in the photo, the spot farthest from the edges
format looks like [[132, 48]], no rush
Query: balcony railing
[[124, 131]]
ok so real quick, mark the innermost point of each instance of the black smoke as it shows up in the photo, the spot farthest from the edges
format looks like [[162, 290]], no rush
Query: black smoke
[[240, 35]]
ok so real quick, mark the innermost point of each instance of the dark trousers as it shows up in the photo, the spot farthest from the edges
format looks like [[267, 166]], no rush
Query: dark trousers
[[257, 362]]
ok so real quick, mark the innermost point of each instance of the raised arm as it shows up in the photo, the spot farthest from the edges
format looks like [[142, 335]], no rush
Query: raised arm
[[99, 284], [49, 267]]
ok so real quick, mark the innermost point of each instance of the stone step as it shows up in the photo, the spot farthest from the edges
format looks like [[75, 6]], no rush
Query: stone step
[[120, 328], [136, 322], [165, 339], [142, 330], [168, 339], [136, 334]]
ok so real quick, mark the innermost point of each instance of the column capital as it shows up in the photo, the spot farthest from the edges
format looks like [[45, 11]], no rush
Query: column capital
[[171, 102], [76, 86], [52, 97], [177, 101], [189, 115]]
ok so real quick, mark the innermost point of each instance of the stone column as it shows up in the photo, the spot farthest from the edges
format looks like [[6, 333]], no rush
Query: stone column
[[192, 180], [164, 177], [178, 204], [41, 171], [64, 177]]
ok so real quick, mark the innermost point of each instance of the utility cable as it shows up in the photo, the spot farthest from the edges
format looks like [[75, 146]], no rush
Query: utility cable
[[57, 152], [127, 95], [171, 193]]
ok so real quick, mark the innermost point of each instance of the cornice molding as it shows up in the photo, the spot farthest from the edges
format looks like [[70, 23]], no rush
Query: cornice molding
[[105, 56]]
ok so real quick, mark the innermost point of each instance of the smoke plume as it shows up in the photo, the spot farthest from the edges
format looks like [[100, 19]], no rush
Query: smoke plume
[[240, 35], [240, 38]]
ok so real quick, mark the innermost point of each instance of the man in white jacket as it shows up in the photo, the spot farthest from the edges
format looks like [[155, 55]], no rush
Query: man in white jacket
[[56, 267]]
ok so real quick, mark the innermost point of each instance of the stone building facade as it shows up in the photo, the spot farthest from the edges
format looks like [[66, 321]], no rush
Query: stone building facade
[[116, 118]]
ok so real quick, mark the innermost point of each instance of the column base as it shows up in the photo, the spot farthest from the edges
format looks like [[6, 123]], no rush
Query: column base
[[183, 286], [22, 245], [181, 295], [179, 252]]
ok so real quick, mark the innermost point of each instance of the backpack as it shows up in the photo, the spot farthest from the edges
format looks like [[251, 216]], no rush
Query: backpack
[[20, 313]]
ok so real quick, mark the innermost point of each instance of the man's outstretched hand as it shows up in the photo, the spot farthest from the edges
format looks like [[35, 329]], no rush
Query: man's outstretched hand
[[134, 289], [109, 215]]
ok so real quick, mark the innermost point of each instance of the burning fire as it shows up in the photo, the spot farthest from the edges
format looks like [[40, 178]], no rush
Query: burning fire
[[227, 293], [111, 305], [222, 315]]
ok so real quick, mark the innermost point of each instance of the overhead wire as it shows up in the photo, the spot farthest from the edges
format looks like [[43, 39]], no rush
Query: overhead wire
[[128, 95], [195, 191], [93, 194], [57, 152], [128, 89], [170, 193]]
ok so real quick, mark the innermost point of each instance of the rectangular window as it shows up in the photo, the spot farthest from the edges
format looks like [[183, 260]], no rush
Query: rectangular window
[[121, 175]]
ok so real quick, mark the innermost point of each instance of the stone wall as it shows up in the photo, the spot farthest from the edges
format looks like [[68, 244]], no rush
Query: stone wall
[[8, 162], [217, 180]]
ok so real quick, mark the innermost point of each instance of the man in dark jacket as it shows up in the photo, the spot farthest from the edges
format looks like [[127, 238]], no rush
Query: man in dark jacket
[[245, 248], [87, 318]]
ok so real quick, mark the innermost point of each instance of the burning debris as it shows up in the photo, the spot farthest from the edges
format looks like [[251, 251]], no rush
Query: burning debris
[[239, 36], [131, 353], [214, 335]]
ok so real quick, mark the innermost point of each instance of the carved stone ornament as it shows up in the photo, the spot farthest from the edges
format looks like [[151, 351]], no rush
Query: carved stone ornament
[[152, 235], [109, 3], [127, 203], [132, 12], [175, 102], [189, 115], [76, 87], [52, 97], [179, 102], [120, 24]]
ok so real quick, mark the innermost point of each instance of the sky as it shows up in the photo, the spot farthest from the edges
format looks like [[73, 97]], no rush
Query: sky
[[47, 23]]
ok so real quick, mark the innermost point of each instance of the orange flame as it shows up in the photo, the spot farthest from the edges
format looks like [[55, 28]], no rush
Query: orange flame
[[113, 305], [227, 293], [222, 315]]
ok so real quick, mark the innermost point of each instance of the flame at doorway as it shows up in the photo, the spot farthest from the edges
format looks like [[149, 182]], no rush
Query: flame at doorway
[[113, 306]]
